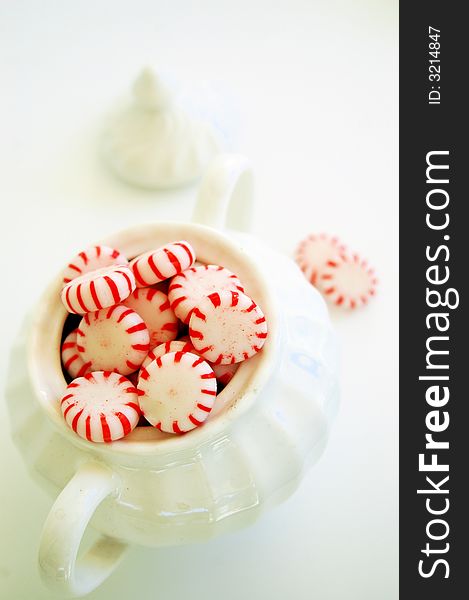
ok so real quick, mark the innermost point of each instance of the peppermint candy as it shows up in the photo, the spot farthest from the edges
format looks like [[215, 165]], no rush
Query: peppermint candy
[[163, 263], [101, 406], [187, 289], [166, 348], [177, 391], [72, 362], [348, 281], [154, 308], [98, 289], [223, 373], [314, 252], [91, 259], [113, 339], [128, 331], [227, 327]]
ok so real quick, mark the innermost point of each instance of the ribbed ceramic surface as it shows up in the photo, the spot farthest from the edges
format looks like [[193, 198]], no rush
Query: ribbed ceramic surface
[[226, 481]]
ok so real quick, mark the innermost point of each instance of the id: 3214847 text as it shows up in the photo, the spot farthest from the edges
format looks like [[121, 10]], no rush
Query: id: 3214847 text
[[434, 74]]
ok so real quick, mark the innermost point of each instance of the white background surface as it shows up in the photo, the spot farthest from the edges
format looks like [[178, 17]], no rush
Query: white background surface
[[315, 83]]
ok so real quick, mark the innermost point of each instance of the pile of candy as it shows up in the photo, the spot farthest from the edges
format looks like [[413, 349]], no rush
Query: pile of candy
[[158, 338], [344, 279]]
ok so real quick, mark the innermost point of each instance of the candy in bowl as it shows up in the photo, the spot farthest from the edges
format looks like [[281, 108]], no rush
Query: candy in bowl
[[268, 425]]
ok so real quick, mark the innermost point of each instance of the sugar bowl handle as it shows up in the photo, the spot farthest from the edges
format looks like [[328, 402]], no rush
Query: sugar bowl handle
[[225, 197], [61, 569]]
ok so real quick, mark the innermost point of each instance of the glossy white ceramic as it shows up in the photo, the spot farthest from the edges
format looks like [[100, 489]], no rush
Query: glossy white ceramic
[[270, 423], [153, 143]]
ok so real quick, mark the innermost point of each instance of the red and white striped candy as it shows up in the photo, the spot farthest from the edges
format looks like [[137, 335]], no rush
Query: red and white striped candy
[[177, 391], [113, 339], [71, 359], [314, 252], [227, 327], [154, 308], [101, 406], [91, 259], [224, 373], [187, 289], [348, 281], [98, 289], [166, 348], [163, 263]]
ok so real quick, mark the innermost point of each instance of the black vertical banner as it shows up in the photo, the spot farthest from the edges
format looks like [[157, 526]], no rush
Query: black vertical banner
[[434, 257]]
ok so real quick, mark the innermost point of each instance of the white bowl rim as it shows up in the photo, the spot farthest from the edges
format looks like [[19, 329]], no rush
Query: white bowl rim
[[49, 383]]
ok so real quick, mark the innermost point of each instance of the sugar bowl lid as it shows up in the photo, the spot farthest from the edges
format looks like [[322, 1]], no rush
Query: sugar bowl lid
[[155, 144]]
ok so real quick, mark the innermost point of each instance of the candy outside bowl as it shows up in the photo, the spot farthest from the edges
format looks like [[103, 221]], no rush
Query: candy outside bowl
[[268, 426]]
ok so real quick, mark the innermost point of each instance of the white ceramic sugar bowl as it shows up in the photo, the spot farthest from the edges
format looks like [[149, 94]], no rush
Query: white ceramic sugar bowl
[[270, 423]]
